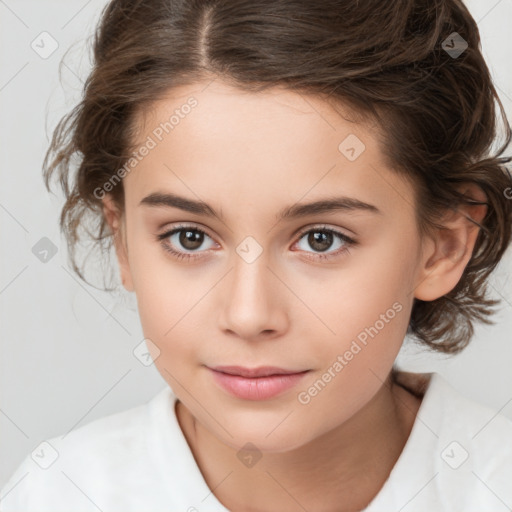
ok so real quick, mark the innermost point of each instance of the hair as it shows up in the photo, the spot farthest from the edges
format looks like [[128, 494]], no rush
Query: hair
[[384, 61]]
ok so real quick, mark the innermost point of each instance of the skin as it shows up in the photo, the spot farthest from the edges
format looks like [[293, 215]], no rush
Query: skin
[[250, 155]]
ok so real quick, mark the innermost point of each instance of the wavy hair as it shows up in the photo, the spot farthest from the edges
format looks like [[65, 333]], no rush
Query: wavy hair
[[390, 62]]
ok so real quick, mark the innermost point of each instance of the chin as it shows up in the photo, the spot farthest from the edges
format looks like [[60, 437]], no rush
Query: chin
[[266, 439]]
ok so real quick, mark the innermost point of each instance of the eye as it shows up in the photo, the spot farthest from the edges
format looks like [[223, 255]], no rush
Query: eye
[[322, 238], [189, 238], [184, 241]]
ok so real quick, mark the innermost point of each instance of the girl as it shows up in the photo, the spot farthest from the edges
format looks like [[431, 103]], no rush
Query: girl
[[291, 187]]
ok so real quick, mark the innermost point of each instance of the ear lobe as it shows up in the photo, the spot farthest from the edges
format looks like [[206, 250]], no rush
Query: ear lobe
[[448, 252], [114, 219]]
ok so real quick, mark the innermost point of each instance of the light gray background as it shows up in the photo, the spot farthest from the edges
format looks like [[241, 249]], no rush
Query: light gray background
[[67, 348]]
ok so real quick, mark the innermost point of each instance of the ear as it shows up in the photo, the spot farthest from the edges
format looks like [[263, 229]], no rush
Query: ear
[[115, 220], [446, 255]]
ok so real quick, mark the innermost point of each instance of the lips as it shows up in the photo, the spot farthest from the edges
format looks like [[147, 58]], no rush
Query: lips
[[262, 383], [262, 371]]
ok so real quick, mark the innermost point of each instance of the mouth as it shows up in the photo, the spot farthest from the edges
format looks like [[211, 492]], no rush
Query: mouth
[[262, 371], [260, 383]]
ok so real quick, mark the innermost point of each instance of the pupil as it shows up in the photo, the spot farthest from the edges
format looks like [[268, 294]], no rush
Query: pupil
[[320, 240], [191, 239]]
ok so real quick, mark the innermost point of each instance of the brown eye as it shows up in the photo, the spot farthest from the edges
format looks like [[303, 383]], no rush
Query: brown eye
[[191, 239], [320, 240], [185, 242]]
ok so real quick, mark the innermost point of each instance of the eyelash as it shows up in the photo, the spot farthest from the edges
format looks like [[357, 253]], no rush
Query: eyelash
[[317, 256]]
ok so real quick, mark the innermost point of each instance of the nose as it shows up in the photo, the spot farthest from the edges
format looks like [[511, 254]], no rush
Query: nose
[[253, 303]]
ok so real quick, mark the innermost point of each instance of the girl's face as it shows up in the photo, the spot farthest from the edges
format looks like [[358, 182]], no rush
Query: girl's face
[[267, 280]]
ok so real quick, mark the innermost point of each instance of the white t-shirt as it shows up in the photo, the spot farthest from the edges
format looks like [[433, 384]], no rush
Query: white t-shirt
[[458, 458]]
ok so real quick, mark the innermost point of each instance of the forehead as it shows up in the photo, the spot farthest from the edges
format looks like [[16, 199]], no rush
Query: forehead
[[216, 141], [302, 114]]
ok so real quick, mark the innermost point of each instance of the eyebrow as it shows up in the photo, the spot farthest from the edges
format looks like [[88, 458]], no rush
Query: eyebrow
[[168, 200]]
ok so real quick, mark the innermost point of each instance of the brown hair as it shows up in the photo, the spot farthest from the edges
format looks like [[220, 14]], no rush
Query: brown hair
[[388, 61]]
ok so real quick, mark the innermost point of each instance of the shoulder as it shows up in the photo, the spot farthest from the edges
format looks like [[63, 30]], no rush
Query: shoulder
[[458, 455], [475, 450], [483, 428], [71, 468], [452, 417]]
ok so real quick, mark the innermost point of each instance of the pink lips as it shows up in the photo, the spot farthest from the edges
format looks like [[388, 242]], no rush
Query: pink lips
[[256, 383]]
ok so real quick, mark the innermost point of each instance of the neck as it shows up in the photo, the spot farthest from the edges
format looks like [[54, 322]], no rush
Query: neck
[[348, 465]]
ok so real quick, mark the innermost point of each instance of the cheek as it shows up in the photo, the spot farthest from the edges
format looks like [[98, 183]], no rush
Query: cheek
[[355, 361], [157, 293], [370, 289], [366, 333], [171, 302], [365, 311]]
